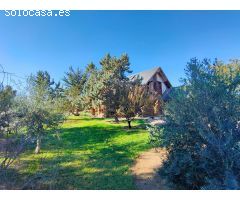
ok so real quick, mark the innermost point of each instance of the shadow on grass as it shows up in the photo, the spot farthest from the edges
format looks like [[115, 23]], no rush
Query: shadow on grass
[[86, 157], [86, 119], [9, 178]]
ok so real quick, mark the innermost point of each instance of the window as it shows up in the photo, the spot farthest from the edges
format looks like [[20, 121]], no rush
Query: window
[[157, 86]]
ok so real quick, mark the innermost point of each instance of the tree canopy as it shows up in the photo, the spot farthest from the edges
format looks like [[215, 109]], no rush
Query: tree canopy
[[202, 127]]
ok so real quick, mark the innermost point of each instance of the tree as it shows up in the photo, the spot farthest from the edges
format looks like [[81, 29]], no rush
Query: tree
[[42, 114], [12, 135], [133, 98], [202, 129], [57, 91], [91, 91], [74, 82], [113, 73]]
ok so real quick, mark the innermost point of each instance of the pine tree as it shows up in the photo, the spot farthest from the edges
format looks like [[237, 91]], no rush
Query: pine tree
[[91, 91], [113, 73], [74, 83]]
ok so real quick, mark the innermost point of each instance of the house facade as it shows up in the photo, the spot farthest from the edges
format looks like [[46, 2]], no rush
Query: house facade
[[155, 79]]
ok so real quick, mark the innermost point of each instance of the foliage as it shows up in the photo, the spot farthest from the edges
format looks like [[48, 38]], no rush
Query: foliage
[[202, 130], [74, 83], [109, 90], [24, 118], [133, 98], [100, 91], [13, 138], [113, 75], [40, 86], [91, 91], [42, 114]]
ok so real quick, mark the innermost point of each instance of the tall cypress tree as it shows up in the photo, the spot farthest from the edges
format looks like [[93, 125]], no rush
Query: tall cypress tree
[[113, 74]]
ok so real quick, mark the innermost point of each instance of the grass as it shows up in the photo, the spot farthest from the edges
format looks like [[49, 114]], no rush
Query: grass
[[89, 154]]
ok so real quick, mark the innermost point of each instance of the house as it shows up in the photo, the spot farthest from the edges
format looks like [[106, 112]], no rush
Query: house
[[156, 80]]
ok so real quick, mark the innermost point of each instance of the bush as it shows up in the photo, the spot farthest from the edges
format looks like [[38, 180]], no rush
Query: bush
[[13, 138], [202, 129]]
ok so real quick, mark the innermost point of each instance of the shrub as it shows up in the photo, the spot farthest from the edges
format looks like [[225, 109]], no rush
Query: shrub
[[202, 129], [13, 138]]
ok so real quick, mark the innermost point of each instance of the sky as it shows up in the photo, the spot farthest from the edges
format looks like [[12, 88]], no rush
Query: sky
[[151, 38]]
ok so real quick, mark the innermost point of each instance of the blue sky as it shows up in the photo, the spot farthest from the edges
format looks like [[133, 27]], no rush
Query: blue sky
[[151, 38]]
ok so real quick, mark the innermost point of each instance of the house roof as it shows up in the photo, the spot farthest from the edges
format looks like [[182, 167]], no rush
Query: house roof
[[145, 75], [148, 74]]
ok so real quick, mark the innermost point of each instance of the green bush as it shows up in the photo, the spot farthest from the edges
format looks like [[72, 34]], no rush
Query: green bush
[[202, 129], [13, 139]]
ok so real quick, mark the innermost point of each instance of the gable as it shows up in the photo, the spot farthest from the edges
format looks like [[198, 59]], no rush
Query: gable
[[150, 75]]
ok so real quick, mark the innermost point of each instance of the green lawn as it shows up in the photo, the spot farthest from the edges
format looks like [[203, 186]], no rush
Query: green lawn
[[89, 154]]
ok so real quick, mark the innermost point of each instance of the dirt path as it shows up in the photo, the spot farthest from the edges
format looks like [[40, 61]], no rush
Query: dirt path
[[145, 170]]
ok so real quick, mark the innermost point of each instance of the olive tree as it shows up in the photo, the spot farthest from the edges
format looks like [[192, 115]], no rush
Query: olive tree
[[202, 129], [42, 115], [13, 137], [134, 96]]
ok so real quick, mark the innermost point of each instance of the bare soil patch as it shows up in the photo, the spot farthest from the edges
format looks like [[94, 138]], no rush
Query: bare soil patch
[[146, 168]]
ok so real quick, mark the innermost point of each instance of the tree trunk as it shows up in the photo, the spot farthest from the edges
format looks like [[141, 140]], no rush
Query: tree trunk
[[38, 145], [129, 124], [76, 112], [93, 112], [116, 118]]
